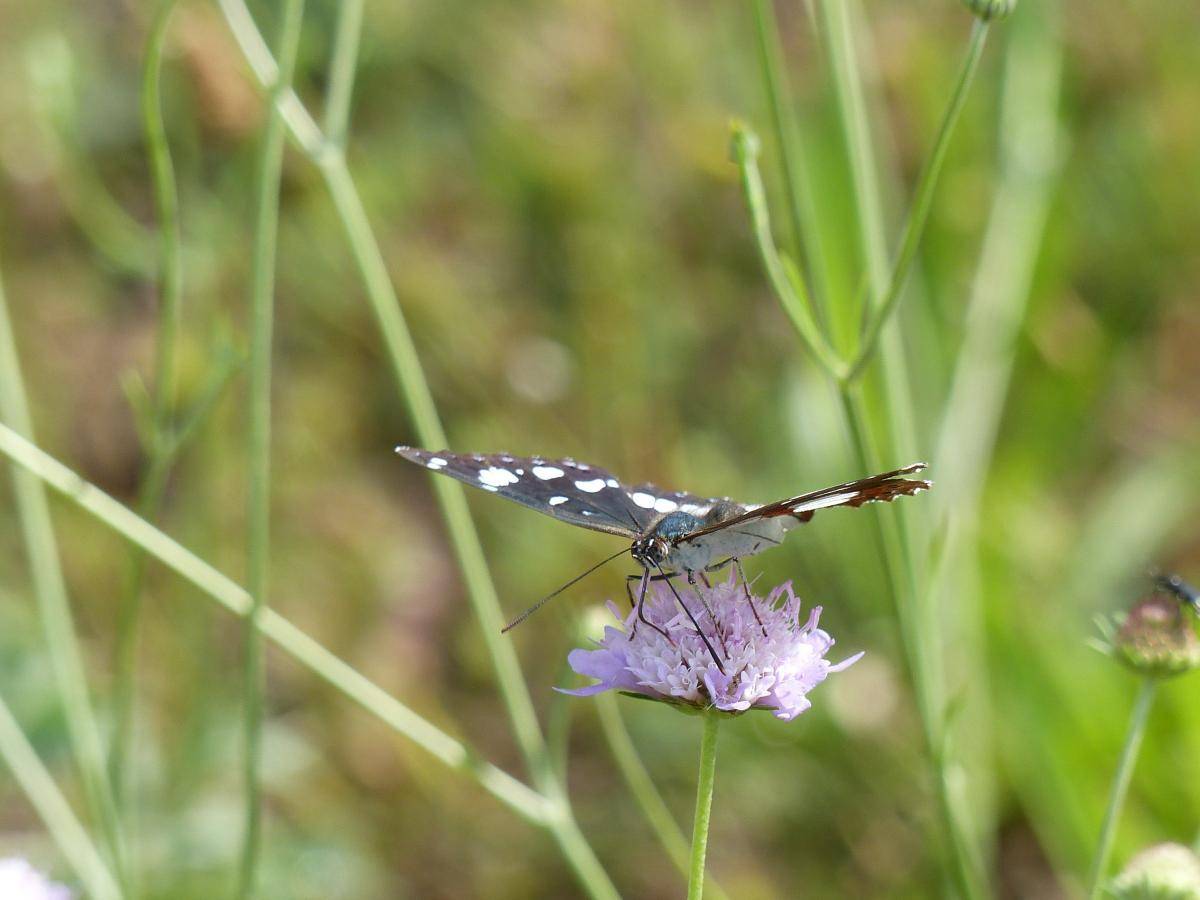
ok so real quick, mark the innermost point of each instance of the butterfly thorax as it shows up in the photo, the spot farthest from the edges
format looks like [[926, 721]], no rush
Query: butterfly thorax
[[736, 542], [663, 545]]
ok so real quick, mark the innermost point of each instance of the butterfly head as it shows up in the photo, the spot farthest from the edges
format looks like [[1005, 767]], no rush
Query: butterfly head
[[650, 550]]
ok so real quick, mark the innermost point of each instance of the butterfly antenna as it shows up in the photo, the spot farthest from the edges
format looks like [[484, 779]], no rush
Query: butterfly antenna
[[529, 612]]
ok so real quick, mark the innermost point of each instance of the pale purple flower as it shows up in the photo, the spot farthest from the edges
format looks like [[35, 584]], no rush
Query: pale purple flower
[[775, 671], [21, 881]]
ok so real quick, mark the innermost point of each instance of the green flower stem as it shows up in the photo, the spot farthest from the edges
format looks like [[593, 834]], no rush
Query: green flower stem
[[790, 290], [72, 838], [262, 302], [310, 654], [918, 216], [331, 161], [704, 793], [54, 608], [648, 799], [1120, 784], [159, 450]]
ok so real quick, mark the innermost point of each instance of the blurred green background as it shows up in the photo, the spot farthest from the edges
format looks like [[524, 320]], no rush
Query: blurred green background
[[551, 188]]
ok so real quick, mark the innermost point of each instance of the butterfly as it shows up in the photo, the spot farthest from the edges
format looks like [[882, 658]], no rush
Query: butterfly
[[671, 533]]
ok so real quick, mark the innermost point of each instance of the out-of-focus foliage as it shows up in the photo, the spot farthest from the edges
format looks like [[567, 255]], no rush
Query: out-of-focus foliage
[[553, 197]]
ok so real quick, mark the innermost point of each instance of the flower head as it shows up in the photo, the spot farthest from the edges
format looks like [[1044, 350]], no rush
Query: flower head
[[1156, 637], [19, 879], [1162, 872], [769, 666]]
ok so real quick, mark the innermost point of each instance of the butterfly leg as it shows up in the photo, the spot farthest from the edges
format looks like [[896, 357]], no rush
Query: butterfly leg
[[691, 577], [749, 597], [645, 578], [695, 624], [745, 585]]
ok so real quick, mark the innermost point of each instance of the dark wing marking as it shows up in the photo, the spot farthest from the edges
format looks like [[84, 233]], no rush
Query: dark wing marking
[[570, 491], [884, 487]]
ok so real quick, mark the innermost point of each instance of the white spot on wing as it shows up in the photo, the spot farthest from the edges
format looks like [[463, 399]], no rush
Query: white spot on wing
[[612, 482], [547, 472], [490, 487], [694, 510], [645, 501], [663, 505], [823, 502], [596, 484], [496, 477], [436, 463], [554, 501]]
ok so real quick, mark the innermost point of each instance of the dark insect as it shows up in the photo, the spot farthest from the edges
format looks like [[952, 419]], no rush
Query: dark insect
[[1175, 585], [671, 533]]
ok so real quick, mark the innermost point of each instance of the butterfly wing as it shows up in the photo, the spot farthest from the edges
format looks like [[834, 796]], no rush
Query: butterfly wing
[[655, 501], [884, 487], [570, 491]]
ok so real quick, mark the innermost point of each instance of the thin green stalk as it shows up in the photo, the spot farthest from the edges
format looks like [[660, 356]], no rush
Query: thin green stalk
[[914, 227], [704, 794], [649, 800], [1120, 784], [258, 510], [414, 388], [341, 71], [799, 196], [170, 290], [56, 813], [42, 467], [791, 291], [54, 608]]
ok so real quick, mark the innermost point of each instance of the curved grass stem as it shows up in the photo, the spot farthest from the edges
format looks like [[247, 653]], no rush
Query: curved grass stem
[[784, 275], [159, 441], [42, 467]]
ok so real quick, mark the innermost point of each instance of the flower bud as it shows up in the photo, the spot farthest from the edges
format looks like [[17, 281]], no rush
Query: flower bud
[[1166, 871], [1157, 638], [990, 9]]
